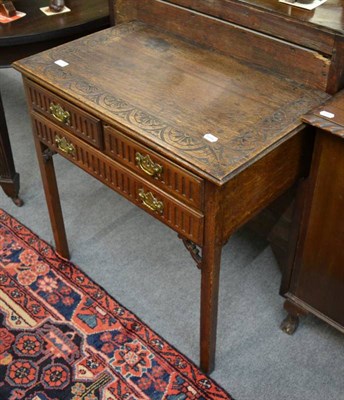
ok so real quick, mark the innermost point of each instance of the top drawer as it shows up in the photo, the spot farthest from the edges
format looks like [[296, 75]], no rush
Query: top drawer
[[154, 167], [70, 117]]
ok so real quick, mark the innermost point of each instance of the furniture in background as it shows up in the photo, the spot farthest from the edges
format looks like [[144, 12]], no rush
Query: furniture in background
[[315, 280], [9, 178], [33, 33], [190, 117], [56, 5]]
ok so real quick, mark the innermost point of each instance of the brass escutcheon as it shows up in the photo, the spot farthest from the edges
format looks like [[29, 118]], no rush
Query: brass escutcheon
[[63, 144], [59, 113], [147, 165], [151, 202]]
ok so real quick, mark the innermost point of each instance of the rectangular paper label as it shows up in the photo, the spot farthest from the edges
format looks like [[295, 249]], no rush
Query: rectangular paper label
[[61, 63], [211, 138], [326, 114]]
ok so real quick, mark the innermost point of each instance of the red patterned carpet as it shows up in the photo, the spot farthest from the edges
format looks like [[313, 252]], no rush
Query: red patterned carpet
[[63, 337]]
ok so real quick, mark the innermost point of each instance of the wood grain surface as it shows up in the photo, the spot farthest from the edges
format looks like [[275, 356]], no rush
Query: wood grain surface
[[313, 29], [293, 61], [170, 93]]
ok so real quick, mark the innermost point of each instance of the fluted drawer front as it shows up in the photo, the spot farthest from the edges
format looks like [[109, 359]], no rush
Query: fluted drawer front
[[155, 168], [180, 217], [65, 114]]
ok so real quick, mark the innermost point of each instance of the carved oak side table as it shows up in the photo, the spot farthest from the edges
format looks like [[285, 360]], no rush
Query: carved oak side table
[[186, 143]]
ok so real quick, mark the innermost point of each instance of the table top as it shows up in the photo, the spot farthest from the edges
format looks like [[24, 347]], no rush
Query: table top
[[169, 94], [36, 26]]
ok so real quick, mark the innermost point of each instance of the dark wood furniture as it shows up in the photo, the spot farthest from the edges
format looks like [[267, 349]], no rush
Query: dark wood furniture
[[9, 178], [192, 115], [31, 34], [315, 280]]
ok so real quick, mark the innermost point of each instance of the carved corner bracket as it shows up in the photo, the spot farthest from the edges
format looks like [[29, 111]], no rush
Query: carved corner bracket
[[195, 252], [47, 154]]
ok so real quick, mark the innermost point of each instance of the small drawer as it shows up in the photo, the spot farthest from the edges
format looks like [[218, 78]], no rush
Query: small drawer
[[183, 219], [65, 114], [162, 172]]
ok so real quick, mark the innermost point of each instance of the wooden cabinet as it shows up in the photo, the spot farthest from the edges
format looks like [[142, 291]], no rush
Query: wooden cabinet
[[315, 282]]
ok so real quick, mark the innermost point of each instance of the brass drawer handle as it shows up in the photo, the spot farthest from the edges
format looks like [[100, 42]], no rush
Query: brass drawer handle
[[151, 202], [147, 165], [59, 113], [63, 144]]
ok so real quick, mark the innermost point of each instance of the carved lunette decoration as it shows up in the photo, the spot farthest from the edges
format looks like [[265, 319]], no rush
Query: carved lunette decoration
[[193, 250]]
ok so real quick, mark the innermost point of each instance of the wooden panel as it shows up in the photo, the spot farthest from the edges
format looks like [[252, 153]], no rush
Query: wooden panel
[[256, 187], [179, 217], [292, 61], [81, 123], [122, 11], [292, 24], [336, 73], [177, 181]]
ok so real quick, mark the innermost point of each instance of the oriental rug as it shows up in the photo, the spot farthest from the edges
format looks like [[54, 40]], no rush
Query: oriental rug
[[63, 337]]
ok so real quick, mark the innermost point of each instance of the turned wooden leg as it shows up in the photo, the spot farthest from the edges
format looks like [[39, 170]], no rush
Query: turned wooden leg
[[9, 178], [210, 269], [291, 322], [46, 165]]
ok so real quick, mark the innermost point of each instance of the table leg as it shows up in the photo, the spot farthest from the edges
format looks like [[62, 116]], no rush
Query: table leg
[[9, 178], [46, 165], [210, 267], [209, 305]]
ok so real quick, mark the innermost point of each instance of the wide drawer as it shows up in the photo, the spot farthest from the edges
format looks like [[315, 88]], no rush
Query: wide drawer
[[172, 212], [65, 114], [164, 173]]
